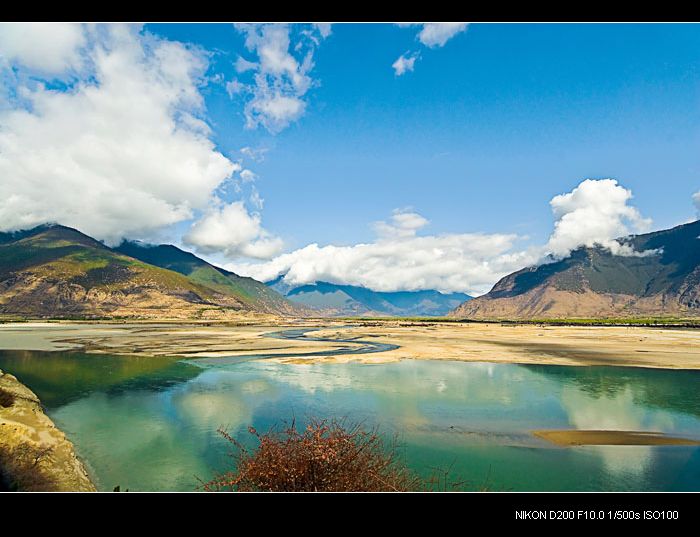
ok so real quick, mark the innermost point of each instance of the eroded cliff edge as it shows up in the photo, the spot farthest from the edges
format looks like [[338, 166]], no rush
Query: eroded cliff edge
[[34, 454]]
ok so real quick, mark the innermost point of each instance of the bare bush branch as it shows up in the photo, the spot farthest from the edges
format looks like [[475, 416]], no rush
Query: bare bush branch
[[324, 456]]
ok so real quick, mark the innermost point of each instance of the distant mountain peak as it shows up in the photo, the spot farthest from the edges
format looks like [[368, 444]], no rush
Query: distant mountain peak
[[352, 300], [51, 232], [593, 282]]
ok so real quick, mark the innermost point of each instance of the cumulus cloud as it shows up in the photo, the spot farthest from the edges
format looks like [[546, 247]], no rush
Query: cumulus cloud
[[696, 201], [465, 262], [275, 96], [437, 34], [123, 151], [399, 259], [403, 224], [49, 48], [230, 229], [404, 63], [596, 212], [593, 213]]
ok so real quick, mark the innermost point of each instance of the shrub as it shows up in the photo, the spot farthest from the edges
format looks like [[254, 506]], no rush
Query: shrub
[[22, 468], [7, 399], [325, 456]]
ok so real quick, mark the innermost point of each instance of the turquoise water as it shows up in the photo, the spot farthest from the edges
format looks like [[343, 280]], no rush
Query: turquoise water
[[150, 423]]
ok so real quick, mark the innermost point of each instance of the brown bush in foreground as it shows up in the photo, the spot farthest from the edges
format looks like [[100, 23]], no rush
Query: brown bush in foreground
[[7, 399], [325, 456]]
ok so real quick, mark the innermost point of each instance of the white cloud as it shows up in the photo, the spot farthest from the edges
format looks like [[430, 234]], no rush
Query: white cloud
[[231, 230], [255, 154], [404, 63], [275, 97], [324, 29], [234, 87], [248, 176], [696, 201], [124, 151], [466, 262], [432, 35], [437, 34], [50, 48], [275, 111], [403, 224], [595, 212], [256, 200], [243, 65], [401, 260]]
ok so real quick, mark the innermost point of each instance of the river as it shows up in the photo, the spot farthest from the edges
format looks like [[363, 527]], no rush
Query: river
[[149, 423]]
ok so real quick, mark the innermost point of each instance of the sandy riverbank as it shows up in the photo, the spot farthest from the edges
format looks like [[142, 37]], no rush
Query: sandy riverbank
[[671, 348], [156, 339], [34, 454], [527, 344]]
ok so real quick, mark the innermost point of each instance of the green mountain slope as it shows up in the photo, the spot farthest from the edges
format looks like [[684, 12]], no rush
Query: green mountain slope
[[56, 271], [592, 282], [249, 291]]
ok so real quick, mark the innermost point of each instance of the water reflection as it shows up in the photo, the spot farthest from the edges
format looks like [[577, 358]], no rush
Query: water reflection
[[149, 424], [61, 377], [661, 388]]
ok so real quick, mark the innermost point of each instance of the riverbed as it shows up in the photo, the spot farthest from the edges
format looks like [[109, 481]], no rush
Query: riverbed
[[148, 422]]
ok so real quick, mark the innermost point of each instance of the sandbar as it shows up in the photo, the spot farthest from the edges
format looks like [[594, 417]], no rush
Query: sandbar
[[575, 437], [629, 346]]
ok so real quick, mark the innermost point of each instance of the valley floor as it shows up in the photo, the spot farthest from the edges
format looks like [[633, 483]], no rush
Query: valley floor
[[670, 348]]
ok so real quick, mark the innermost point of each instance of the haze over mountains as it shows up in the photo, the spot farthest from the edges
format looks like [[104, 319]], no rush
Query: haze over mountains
[[663, 279], [351, 300]]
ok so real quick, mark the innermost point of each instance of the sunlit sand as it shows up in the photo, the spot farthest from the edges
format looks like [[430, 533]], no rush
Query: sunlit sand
[[612, 438], [670, 348]]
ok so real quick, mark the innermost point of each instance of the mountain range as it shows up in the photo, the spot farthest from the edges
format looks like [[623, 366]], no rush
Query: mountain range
[[662, 278], [57, 271], [349, 300]]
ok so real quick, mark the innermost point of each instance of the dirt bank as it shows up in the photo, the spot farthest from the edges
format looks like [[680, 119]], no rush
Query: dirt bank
[[34, 454]]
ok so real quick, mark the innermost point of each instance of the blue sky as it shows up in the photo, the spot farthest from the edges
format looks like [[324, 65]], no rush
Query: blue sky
[[483, 133], [472, 144]]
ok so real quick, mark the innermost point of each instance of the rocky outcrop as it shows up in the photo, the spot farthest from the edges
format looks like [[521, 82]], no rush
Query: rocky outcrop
[[34, 454], [661, 278], [550, 303], [35, 296]]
